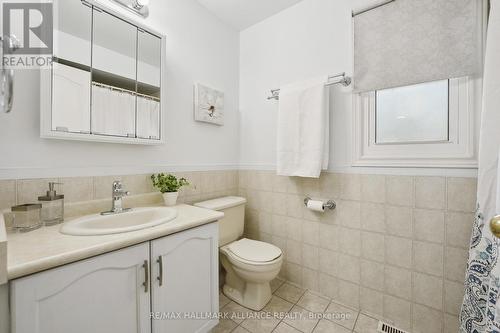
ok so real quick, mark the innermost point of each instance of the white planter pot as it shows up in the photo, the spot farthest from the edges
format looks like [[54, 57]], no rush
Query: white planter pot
[[170, 198]]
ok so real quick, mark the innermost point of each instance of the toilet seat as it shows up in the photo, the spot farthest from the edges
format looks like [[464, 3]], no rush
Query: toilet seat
[[252, 252]]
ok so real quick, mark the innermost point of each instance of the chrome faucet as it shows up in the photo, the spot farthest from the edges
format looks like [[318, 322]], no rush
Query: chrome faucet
[[118, 194]]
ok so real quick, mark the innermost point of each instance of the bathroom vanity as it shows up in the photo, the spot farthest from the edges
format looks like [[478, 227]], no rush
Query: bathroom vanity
[[159, 279]]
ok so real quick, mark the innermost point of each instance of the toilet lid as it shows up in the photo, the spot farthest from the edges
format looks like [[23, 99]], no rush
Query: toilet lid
[[255, 251]]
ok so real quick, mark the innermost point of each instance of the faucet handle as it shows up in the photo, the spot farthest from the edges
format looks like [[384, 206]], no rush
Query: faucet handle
[[118, 188], [117, 195]]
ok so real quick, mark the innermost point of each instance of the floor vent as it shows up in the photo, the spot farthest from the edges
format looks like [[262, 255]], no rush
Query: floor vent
[[386, 328]]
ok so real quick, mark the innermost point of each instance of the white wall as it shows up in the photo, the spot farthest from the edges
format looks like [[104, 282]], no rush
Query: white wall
[[199, 48], [309, 39]]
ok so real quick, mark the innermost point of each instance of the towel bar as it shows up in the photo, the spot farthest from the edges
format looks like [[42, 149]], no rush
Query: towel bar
[[341, 78]]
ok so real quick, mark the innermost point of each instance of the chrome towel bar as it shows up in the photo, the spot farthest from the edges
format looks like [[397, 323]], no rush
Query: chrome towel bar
[[340, 78]]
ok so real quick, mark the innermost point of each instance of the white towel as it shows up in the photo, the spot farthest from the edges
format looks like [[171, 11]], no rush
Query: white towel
[[303, 129]]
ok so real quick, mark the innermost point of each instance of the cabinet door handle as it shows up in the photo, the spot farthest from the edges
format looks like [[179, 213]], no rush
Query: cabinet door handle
[[160, 276], [146, 276]]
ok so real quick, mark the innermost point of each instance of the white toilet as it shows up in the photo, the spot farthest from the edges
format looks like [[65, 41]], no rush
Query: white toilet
[[250, 265]]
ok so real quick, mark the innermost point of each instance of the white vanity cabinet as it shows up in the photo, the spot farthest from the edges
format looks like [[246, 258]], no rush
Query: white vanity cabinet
[[119, 291], [100, 295], [186, 270]]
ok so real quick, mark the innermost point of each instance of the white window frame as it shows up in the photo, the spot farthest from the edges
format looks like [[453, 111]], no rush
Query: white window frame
[[459, 152]]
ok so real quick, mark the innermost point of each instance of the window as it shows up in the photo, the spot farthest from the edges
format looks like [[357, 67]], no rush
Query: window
[[413, 114], [431, 124]]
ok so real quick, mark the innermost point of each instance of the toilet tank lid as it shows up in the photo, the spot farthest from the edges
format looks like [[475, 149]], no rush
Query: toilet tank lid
[[221, 203]]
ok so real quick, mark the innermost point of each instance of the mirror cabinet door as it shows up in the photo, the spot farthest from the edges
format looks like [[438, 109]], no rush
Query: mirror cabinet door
[[114, 75], [148, 85], [71, 67], [105, 78]]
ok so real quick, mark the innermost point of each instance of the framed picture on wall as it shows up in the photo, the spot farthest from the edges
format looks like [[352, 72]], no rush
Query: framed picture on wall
[[208, 105]]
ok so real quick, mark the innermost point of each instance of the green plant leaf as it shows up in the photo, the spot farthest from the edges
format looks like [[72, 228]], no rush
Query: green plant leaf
[[168, 183]]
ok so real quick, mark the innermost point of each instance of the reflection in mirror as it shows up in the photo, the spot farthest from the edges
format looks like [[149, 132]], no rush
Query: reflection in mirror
[[71, 102], [148, 85], [71, 69], [113, 76], [114, 46], [149, 61], [72, 32]]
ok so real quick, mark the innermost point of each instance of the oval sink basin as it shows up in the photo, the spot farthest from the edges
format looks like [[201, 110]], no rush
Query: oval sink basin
[[136, 219]]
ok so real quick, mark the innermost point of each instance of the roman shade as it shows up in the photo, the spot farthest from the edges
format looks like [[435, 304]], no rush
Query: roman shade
[[413, 41]]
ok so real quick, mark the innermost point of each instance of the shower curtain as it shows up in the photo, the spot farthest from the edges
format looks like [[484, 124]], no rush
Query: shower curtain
[[481, 307]]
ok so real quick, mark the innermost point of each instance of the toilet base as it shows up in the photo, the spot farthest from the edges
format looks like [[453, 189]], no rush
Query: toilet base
[[254, 296], [251, 295]]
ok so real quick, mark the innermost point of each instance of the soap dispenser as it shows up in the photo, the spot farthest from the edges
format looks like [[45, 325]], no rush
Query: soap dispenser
[[52, 206]]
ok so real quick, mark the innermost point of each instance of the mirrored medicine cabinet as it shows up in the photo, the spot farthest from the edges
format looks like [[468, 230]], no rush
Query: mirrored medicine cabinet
[[106, 80]]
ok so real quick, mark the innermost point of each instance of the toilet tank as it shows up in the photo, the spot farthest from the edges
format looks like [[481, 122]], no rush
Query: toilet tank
[[231, 226]]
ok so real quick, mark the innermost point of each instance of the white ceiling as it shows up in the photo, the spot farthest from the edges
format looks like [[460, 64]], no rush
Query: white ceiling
[[244, 13]]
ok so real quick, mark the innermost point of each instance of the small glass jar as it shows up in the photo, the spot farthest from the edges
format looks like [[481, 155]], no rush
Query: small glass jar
[[26, 217]]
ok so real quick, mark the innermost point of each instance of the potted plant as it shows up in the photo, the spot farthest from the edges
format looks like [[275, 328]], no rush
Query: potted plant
[[169, 186]]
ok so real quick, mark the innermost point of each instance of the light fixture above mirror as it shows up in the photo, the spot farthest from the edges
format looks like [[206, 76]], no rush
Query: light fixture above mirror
[[139, 7]]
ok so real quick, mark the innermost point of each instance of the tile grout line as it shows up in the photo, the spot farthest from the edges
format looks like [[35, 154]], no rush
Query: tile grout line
[[282, 320], [445, 240], [330, 301], [315, 326], [413, 207], [296, 303], [273, 294], [412, 279], [293, 304], [16, 200], [356, 321]]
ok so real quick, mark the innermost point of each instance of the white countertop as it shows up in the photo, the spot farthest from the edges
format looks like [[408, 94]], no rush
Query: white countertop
[[46, 248]]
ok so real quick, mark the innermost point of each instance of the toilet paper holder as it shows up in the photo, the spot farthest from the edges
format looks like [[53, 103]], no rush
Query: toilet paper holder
[[330, 204]]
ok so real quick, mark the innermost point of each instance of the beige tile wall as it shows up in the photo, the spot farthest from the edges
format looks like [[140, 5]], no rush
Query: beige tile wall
[[396, 246], [204, 185]]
